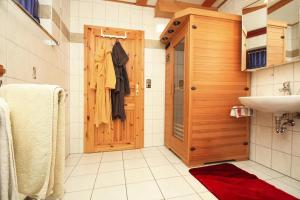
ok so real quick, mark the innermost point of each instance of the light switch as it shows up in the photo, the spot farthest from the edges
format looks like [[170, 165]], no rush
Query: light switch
[[148, 83]]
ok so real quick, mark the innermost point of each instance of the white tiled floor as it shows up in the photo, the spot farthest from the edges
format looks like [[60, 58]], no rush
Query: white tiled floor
[[148, 174]]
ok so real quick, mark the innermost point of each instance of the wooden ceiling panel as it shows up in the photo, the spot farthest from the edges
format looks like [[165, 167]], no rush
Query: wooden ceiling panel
[[208, 3], [278, 5]]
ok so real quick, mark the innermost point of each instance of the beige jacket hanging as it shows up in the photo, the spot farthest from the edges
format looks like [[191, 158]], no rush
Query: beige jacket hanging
[[103, 80]]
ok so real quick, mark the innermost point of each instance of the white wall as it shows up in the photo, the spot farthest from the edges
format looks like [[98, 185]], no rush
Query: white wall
[[112, 14], [279, 152], [22, 47], [232, 6]]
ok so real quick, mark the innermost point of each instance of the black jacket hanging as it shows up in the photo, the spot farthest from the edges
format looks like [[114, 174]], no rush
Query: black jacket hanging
[[120, 59]]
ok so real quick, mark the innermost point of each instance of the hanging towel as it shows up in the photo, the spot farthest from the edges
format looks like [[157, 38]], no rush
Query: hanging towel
[[241, 111], [32, 6], [38, 119], [104, 81], [120, 59], [8, 179]]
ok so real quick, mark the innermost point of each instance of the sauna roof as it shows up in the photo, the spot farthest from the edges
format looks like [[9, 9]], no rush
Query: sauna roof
[[180, 17]]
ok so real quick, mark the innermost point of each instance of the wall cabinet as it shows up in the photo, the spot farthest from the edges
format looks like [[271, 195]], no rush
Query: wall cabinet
[[203, 82], [276, 34]]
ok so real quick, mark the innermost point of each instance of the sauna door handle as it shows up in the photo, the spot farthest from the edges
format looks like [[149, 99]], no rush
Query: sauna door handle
[[193, 88]]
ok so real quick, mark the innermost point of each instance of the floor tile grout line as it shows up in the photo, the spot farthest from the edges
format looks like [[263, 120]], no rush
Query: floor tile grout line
[[124, 175], [181, 175], [96, 177], [272, 178], [255, 166], [264, 167], [73, 168], [154, 176]]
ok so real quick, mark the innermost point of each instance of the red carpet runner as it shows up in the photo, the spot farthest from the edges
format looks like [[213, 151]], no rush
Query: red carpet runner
[[228, 182]]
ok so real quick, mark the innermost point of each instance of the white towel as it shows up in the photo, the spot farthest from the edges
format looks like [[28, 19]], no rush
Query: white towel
[[38, 119], [241, 111], [8, 179]]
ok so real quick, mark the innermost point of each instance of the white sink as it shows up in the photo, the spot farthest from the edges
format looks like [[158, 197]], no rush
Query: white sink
[[273, 104]]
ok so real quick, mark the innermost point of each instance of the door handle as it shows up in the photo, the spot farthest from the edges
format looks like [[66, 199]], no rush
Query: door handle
[[137, 89]]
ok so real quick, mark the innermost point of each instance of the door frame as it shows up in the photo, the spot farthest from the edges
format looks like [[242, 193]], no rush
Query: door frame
[[89, 140]]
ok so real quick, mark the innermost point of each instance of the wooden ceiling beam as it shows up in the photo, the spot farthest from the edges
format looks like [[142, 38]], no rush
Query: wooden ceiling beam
[[253, 9], [141, 2], [208, 3], [167, 8], [278, 5]]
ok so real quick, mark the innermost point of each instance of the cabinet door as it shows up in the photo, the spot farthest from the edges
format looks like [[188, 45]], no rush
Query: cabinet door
[[276, 46]]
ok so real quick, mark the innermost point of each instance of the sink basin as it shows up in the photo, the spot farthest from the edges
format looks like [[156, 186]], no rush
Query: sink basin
[[273, 104]]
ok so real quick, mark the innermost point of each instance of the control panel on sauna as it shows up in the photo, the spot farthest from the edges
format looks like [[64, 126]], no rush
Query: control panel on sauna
[[270, 33]]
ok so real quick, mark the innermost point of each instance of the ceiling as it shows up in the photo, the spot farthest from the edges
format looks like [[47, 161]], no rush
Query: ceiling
[[288, 12], [206, 3]]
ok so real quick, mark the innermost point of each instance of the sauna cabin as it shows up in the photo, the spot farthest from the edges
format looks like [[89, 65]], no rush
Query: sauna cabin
[[203, 82]]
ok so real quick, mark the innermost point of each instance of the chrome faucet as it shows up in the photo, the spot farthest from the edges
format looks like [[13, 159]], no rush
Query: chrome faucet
[[286, 88]]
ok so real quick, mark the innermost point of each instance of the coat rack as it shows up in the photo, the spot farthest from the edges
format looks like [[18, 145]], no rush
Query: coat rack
[[113, 36]]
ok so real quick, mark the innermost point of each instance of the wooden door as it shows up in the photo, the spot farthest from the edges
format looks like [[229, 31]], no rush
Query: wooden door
[[172, 141], [117, 135]]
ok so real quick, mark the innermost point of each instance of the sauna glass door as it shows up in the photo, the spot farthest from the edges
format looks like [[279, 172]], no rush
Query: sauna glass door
[[178, 90]]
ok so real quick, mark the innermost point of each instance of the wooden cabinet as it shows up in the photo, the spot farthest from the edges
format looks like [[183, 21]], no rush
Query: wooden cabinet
[[211, 84], [276, 32]]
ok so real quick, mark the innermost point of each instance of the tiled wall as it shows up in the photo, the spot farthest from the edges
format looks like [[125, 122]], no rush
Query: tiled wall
[[22, 47], [279, 152], [120, 15]]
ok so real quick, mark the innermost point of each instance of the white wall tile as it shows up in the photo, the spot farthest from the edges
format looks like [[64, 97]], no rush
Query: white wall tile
[[281, 162], [22, 47], [296, 144], [263, 155], [265, 77], [253, 130], [295, 172], [85, 9], [74, 8], [99, 10], [282, 142], [284, 73], [281, 146], [264, 90], [252, 152], [296, 88], [264, 119], [297, 71], [264, 136]]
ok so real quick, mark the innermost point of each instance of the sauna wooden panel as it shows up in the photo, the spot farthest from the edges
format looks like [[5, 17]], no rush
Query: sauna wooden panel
[[169, 96], [117, 135], [216, 74]]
